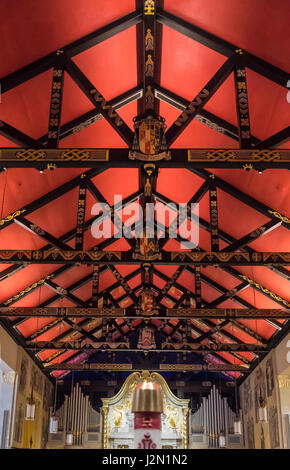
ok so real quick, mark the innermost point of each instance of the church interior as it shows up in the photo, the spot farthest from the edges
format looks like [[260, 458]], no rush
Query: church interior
[[144, 217]]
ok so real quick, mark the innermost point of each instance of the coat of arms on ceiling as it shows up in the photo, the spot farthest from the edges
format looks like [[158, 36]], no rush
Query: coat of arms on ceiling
[[149, 139], [146, 339]]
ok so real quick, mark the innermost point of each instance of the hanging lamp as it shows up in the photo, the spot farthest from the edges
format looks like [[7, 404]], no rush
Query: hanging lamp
[[262, 411], [237, 420], [30, 408], [53, 422]]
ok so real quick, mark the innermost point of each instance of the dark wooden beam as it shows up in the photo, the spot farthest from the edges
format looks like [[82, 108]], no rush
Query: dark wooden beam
[[55, 106], [245, 198], [215, 123], [90, 117], [101, 104], [254, 235], [197, 283], [48, 197], [95, 286], [18, 137], [163, 367], [213, 214], [81, 215], [76, 47], [242, 103], [118, 158], [223, 47], [200, 100], [40, 232], [178, 258], [130, 312], [280, 270], [277, 139], [168, 347]]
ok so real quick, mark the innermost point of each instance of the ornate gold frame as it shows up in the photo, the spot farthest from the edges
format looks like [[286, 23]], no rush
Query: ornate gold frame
[[129, 385]]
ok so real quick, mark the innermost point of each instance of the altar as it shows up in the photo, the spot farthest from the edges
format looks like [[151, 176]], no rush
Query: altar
[[118, 420]]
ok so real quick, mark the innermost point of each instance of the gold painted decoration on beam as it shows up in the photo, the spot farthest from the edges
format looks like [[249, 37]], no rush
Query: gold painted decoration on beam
[[200, 367], [28, 289], [280, 216], [10, 217], [149, 7], [86, 366], [263, 289], [30, 154], [266, 155]]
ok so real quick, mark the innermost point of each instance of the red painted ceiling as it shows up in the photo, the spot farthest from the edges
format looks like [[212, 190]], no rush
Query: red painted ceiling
[[32, 29]]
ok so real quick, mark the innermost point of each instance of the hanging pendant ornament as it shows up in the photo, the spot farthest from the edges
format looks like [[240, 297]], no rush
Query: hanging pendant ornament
[[147, 407]]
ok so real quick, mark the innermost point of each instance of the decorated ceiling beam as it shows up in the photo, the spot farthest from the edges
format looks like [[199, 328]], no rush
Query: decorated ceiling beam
[[40, 232], [73, 287], [280, 270], [55, 105], [258, 159], [200, 100], [92, 116], [18, 137], [95, 286], [242, 102], [245, 198], [165, 347], [68, 236], [74, 48], [223, 47], [64, 238], [64, 293], [149, 45], [254, 235], [130, 312], [99, 101], [179, 258], [230, 294], [213, 213], [216, 123], [81, 215], [163, 367], [197, 287]]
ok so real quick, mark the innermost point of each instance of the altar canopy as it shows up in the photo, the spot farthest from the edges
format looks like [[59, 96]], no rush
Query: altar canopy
[[118, 420]]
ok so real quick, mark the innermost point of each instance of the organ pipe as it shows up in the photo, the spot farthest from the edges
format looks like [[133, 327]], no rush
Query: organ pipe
[[214, 417]]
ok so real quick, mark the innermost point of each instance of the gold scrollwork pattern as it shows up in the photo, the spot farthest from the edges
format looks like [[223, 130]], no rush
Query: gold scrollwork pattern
[[27, 290], [280, 216], [10, 217], [266, 291]]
